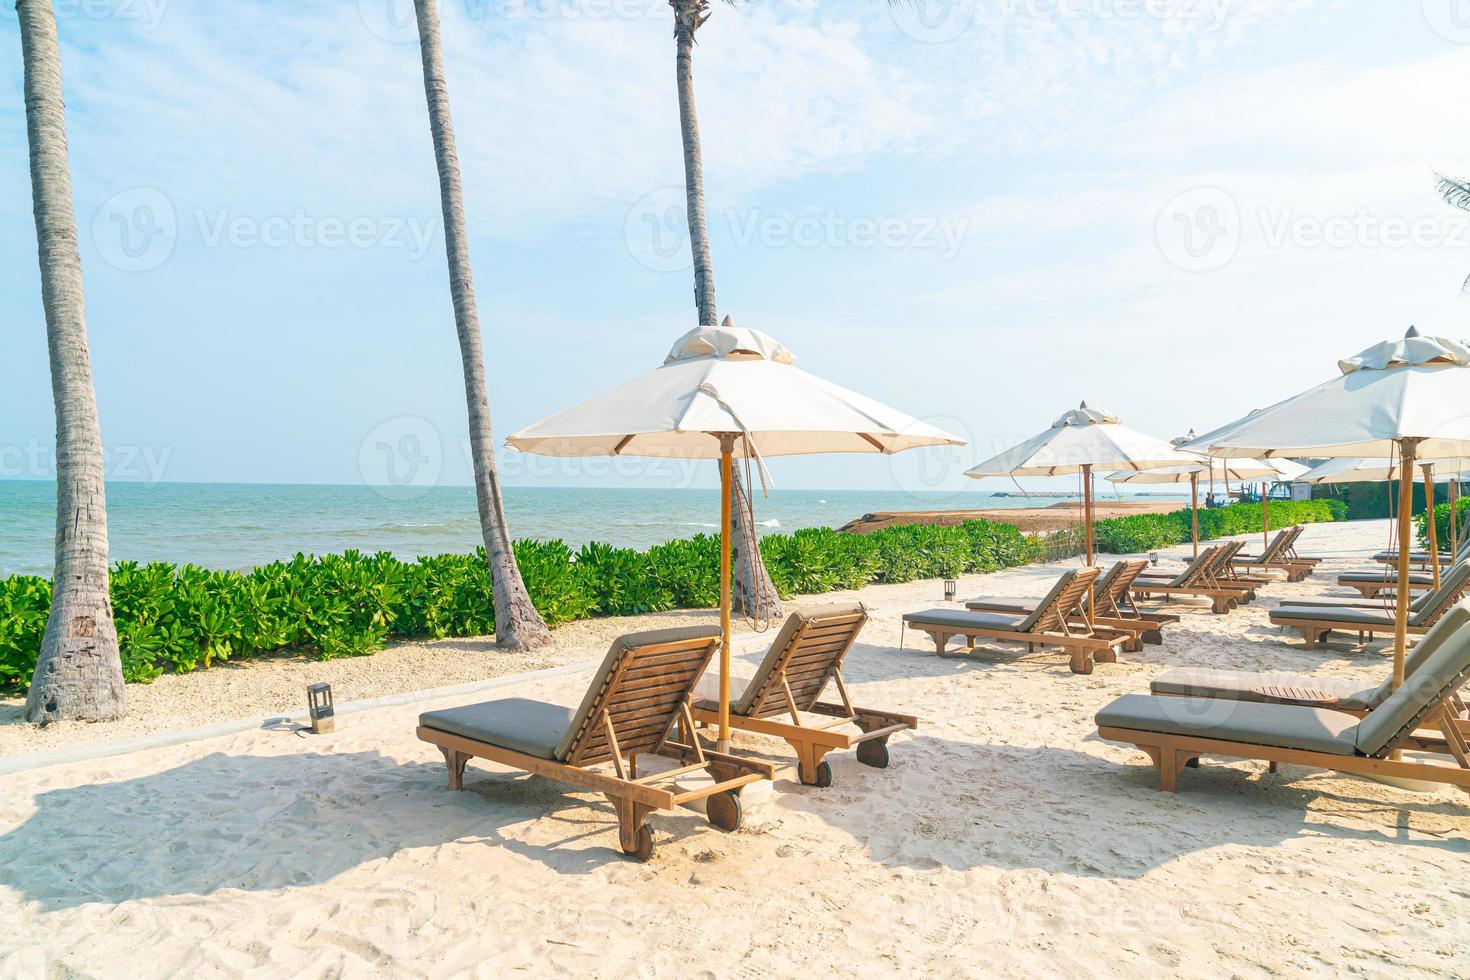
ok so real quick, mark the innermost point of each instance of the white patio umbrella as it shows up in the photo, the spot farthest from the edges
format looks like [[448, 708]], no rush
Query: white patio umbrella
[[1448, 471], [1241, 470], [1081, 441], [726, 392], [1401, 399]]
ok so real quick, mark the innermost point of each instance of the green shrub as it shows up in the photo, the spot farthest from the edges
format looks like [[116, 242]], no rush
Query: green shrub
[[1441, 523], [183, 618]]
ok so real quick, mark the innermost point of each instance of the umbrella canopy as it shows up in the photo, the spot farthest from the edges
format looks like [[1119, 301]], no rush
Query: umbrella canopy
[[1084, 437], [724, 392], [1415, 388], [1351, 470], [1225, 470], [1400, 399], [727, 380]]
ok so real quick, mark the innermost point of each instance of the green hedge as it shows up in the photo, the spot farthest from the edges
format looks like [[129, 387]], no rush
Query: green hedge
[[172, 618], [1441, 523], [1138, 533]]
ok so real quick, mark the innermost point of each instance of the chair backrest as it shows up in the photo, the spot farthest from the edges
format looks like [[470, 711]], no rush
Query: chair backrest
[[1279, 543], [1195, 571], [1439, 674], [806, 654], [1449, 624], [1051, 612], [1112, 589], [1223, 566], [1452, 587], [640, 686]]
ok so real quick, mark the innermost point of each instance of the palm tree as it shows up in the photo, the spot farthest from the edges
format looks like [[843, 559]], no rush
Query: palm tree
[[1456, 192], [517, 624], [79, 669], [754, 592]]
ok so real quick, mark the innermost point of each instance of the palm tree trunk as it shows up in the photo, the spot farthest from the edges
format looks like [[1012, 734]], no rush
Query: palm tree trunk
[[517, 624], [754, 592], [79, 670]]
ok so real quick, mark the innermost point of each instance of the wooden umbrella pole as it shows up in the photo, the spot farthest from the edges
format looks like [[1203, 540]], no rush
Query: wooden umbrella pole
[[1454, 525], [727, 449], [1265, 515], [1408, 448], [1194, 511], [1087, 518], [1428, 469]]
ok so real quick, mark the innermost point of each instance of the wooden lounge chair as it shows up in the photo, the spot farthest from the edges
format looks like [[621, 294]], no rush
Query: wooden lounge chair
[[1316, 623], [1214, 573], [1048, 625], [1194, 583], [1276, 557], [639, 693], [1338, 693], [1290, 549], [1114, 607], [1374, 584], [804, 658], [1176, 732], [1422, 559]]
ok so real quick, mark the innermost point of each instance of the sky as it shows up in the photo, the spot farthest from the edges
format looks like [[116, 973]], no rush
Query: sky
[[978, 211]]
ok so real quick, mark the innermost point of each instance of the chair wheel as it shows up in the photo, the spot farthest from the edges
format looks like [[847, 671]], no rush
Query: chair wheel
[[724, 810], [822, 779], [873, 753], [1082, 667], [644, 850]]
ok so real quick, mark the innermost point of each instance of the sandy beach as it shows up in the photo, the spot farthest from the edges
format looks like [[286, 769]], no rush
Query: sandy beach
[[1005, 839]]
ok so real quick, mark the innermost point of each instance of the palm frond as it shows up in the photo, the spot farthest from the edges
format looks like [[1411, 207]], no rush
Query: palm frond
[[1454, 190], [1465, 288]]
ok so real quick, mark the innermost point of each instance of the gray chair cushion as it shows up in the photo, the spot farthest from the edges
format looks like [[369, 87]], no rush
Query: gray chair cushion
[[1390, 578], [1015, 607], [1240, 685], [794, 621], [532, 727], [1281, 726], [1450, 623], [1437, 672], [1451, 583], [1383, 605], [1349, 618], [964, 619]]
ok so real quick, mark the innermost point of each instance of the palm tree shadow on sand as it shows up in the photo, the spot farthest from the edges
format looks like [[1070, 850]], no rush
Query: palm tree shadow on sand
[[259, 823]]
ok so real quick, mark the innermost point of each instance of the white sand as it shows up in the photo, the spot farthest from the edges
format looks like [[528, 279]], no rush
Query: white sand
[[1005, 839]]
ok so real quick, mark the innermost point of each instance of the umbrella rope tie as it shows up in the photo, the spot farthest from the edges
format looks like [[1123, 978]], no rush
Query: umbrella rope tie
[[754, 603], [751, 449]]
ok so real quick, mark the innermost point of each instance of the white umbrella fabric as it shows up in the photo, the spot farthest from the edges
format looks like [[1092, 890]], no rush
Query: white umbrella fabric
[[1081, 441], [1240, 470], [1403, 399], [726, 392]]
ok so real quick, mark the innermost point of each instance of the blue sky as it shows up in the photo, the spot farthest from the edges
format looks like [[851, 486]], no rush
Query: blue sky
[[979, 212]]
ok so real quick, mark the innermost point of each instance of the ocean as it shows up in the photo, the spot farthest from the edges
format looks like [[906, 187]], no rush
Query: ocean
[[224, 525]]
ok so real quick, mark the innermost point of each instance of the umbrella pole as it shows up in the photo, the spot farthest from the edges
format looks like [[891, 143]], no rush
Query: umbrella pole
[[1428, 469], [1087, 519], [727, 448], [1406, 509], [1194, 511], [1265, 515], [1454, 525]]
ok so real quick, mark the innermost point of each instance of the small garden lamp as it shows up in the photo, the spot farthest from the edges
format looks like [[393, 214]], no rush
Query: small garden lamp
[[319, 704], [950, 587]]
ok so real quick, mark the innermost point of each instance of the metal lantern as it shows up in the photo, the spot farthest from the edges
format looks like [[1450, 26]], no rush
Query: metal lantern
[[1153, 557], [319, 704], [950, 586]]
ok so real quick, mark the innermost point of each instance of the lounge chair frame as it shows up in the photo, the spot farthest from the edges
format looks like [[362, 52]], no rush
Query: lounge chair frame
[[805, 664], [1315, 631], [1052, 629], [629, 717], [1197, 586]]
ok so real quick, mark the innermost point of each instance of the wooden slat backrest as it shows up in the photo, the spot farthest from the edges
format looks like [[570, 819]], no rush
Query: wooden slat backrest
[[808, 662], [642, 696], [1195, 575], [1116, 597], [1052, 618]]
